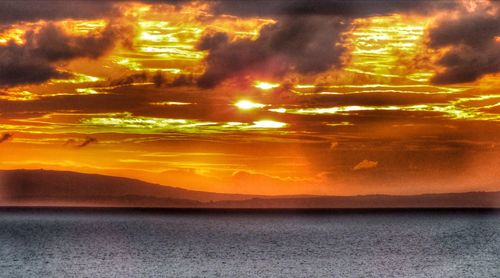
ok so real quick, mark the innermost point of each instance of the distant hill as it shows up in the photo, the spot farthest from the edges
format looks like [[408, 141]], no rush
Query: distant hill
[[62, 188], [449, 200]]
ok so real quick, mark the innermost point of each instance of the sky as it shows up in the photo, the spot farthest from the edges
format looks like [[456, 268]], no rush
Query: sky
[[256, 97]]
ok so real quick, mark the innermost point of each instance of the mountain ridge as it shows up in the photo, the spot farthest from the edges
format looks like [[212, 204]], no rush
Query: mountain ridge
[[24, 187]]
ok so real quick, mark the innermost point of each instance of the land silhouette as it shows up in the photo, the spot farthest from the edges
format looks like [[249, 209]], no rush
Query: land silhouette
[[63, 188]]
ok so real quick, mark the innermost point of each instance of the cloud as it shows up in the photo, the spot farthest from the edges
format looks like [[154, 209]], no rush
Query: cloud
[[307, 39], [305, 45], [159, 79], [333, 145], [74, 143], [365, 164], [472, 42], [5, 137], [69, 142], [364, 97], [35, 10], [140, 77], [352, 8], [36, 60], [86, 142]]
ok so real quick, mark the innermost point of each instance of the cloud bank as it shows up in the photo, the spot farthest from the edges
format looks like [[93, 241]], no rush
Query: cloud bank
[[473, 42], [34, 10], [36, 60], [307, 45]]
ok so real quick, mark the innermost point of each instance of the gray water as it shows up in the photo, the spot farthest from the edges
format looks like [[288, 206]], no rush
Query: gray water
[[102, 244]]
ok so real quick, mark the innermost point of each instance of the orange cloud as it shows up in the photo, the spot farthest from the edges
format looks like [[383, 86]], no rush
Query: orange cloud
[[365, 164]]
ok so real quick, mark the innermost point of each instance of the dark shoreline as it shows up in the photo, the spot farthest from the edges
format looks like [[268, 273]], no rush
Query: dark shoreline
[[212, 211]]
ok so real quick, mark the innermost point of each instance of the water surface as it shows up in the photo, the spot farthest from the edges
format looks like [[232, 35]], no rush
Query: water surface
[[181, 244]]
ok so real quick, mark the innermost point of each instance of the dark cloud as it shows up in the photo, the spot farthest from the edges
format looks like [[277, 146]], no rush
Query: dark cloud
[[83, 103], [75, 144], [343, 8], [183, 80], [159, 79], [36, 60], [86, 142], [306, 39], [305, 45], [130, 79], [473, 46], [465, 64], [378, 98], [4, 137], [136, 100], [33, 10], [69, 142], [475, 30]]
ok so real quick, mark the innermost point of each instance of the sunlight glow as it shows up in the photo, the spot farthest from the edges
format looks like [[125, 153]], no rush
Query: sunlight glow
[[340, 109], [268, 124], [383, 47], [278, 110], [265, 85], [171, 103], [15, 35], [247, 105], [18, 96], [78, 78], [87, 91], [297, 115]]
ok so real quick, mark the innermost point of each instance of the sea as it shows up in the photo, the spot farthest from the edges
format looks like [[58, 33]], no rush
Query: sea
[[225, 243]]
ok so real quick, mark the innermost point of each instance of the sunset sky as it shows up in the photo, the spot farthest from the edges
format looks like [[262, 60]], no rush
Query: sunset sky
[[260, 97]]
